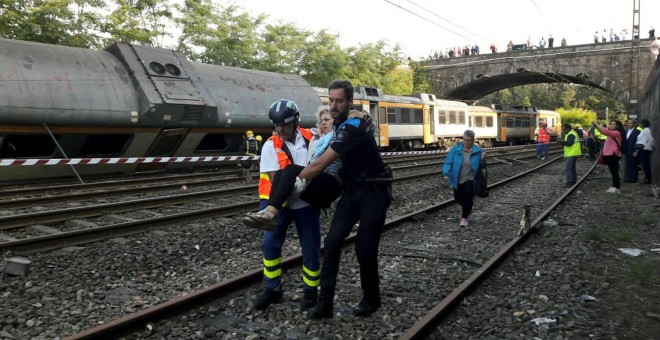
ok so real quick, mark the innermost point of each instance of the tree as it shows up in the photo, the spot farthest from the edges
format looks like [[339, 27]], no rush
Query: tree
[[323, 60], [421, 76], [398, 81], [51, 21], [214, 35], [369, 64], [139, 22], [284, 48]]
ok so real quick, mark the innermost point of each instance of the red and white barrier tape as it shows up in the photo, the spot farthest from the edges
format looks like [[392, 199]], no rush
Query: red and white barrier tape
[[129, 160], [145, 160]]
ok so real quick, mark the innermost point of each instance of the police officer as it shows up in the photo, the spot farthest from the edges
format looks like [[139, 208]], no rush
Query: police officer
[[288, 146], [366, 197]]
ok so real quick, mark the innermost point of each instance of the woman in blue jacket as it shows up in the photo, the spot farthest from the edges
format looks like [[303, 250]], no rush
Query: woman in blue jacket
[[459, 170]]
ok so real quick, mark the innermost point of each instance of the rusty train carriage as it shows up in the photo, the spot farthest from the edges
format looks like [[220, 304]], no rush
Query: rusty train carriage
[[129, 101]]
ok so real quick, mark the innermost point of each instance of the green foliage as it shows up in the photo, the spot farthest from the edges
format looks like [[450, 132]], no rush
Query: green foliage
[[60, 22], [593, 235], [621, 235], [138, 22], [370, 64], [323, 60], [421, 76], [642, 270], [577, 116]]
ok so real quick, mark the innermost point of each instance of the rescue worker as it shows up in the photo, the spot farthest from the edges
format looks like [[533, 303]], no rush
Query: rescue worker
[[367, 184], [542, 141], [288, 146], [572, 151], [251, 148]]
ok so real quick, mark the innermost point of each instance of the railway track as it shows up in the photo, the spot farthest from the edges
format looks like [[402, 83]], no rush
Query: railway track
[[49, 229], [409, 253]]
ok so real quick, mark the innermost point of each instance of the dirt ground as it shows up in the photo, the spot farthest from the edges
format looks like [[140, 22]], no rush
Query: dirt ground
[[631, 284]]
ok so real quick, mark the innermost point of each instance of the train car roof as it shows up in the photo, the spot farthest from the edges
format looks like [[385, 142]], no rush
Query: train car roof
[[450, 103], [480, 109], [402, 99]]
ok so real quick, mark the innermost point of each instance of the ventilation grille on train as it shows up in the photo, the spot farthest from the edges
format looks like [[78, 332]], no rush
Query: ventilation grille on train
[[192, 113]]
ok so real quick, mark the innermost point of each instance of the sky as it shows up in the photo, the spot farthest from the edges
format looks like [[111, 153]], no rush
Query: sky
[[440, 24]]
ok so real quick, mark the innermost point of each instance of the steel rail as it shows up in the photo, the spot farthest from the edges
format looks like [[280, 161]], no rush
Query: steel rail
[[425, 325], [12, 193], [129, 323], [16, 221]]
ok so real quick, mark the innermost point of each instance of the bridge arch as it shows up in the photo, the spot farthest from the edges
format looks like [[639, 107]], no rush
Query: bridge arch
[[617, 67]]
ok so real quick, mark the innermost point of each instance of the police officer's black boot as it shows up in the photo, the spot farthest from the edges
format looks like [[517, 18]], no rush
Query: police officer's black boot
[[323, 308], [267, 297], [369, 304], [309, 298]]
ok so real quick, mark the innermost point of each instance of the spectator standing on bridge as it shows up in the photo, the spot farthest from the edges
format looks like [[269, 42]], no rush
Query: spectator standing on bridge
[[603, 36], [644, 149], [572, 151], [612, 35], [596, 38], [624, 34], [551, 41], [288, 146], [652, 32], [563, 42], [631, 173], [509, 46], [542, 43], [367, 193], [612, 151], [493, 49], [529, 43], [459, 170]]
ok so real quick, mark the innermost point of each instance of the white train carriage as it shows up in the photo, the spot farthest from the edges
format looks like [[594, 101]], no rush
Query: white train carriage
[[553, 119], [483, 121], [450, 121]]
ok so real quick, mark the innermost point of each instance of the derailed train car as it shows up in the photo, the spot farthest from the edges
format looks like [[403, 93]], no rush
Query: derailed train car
[[129, 101]]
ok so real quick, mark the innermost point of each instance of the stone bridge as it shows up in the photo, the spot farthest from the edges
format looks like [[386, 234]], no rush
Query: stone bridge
[[618, 67]]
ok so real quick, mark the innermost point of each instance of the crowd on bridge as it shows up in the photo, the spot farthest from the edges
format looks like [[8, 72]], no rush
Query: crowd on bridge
[[601, 37], [471, 50]]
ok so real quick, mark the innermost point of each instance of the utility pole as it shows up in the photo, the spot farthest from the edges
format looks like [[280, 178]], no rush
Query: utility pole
[[634, 61]]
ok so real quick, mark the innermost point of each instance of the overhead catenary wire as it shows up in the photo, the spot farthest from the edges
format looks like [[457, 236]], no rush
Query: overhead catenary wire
[[448, 21], [428, 20]]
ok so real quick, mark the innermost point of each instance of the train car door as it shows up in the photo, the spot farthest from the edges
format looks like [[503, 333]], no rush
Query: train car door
[[165, 144], [501, 132], [428, 126], [384, 139]]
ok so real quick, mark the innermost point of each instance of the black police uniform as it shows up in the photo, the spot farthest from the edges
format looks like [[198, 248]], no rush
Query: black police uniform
[[367, 194]]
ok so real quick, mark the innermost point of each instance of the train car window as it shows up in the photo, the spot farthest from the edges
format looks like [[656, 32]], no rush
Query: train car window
[[442, 117], [509, 122], [405, 116], [164, 146], [27, 146], [525, 122], [489, 121], [452, 117], [461, 117], [104, 145], [419, 117], [215, 142], [382, 115], [391, 115], [479, 121]]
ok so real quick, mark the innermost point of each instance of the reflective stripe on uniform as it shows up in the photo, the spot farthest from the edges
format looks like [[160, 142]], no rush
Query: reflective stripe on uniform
[[311, 278], [272, 268]]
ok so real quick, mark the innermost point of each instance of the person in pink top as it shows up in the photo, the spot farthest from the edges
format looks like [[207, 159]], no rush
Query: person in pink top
[[612, 151]]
